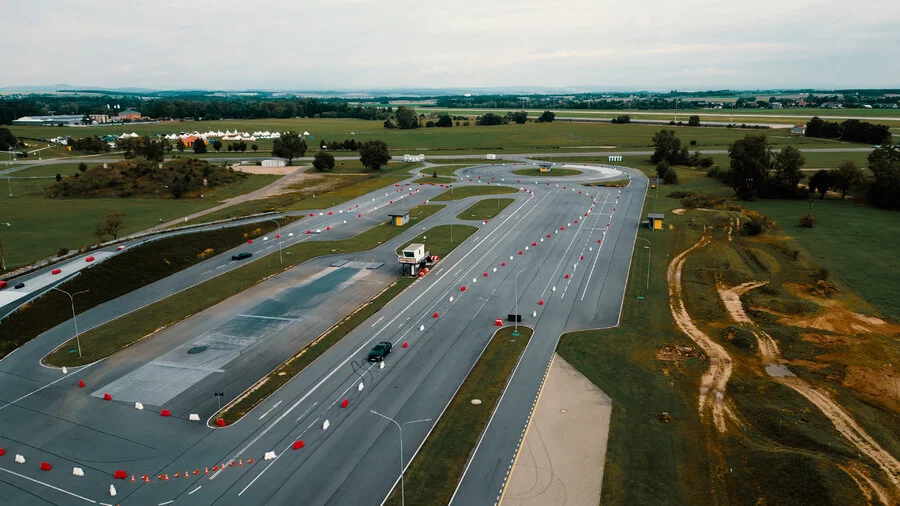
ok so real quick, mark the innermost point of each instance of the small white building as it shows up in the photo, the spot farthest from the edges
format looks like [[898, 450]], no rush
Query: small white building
[[274, 163], [413, 158], [615, 158], [798, 129], [490, 157]]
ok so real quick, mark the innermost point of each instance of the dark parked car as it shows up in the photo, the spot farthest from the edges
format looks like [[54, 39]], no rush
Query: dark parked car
[[241, 256], [20, 285], [379, 351]]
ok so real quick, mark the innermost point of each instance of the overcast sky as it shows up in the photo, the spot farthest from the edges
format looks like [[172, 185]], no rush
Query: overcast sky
[[353, 44]]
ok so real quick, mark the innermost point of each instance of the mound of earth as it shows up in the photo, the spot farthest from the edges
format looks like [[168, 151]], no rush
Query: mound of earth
[[672, 352]]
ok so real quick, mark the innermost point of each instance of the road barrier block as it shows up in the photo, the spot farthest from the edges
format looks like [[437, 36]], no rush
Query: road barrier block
[[194, 417], [345, 403], [19, 459], [220, 422], [77, 471], [138, 406], [165, 412], [45, 466], [298, 444], [107, 397], [120, 474]]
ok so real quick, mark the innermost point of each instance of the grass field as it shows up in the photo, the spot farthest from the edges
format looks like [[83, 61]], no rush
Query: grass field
[[126, 271], [432, 476], [456, 140], [473, 191], [40, 226], [484, 209], [64, 169], [115, 335], [554, 172], [437, 239]]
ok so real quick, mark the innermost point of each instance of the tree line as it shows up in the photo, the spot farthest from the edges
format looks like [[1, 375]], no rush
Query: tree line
[[851, 130]]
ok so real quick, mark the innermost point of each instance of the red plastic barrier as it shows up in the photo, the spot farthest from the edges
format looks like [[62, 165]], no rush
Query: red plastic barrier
[[249, 241], [435, 315], [310, 215], [576, 220], [406, 344], [107, 397], [541, 302], [485, 274], [567, 276], [498, 322], [534, 243], [220, 422], [80, 383], [2, 452], [327, 228], [120, 248], [308, 232], [462, 288], [45, 466], [278, 236], [298, 444], [89, 259], [391, 202], [520, 252], [598, 241], [55, 271], [502, 264], [120, 474], [517, 180], [329, 213], [582, 257], [345, 403], [548, 236], [359, 215], [562, 228], [165, 412]]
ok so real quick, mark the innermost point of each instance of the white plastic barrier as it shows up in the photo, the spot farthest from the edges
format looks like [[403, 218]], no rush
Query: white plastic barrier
[[194, 417], [138, 406], [64, 370], [327, 423], [421, 328], [20, 459], [269, 456], [112, 490], [77, 471]]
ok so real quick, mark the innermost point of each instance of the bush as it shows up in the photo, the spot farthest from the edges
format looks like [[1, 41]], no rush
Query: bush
[[740, 337], [62, 252], [808, 221], [680, 194]]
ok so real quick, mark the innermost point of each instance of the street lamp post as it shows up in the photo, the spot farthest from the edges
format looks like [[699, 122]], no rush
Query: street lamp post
[[649, 250], [400, 428], [74, 321], [516, 281], [279, 242], [450, 216]]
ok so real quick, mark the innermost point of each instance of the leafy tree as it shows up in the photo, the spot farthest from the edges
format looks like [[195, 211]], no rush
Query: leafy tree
[[845, 177], [90, 144], [407, 118], [546, 117], [884, 162], [374, 154], [241, 146], [323, 161], [667, 147], [179, 145], [290, 145], [58, 177], [621, 120], [199, 146], [217, 145], [82, 166], [113, 223], [787, 165], [820, 182], [7, 140], [520, 117], [444, 121], [254, 147], [155, 149], [490, 119], [429, 124], [231, 147], [99, 232], [694, 121], [750, 164], [390, 125], [434, 173], [661, 168]]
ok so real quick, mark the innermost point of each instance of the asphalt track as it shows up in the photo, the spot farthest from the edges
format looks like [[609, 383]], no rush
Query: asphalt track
[[45, 417]]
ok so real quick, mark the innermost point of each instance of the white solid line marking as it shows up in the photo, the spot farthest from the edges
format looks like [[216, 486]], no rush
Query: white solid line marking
[[167, 502], [270, 317], [378, 320], [307, 411], [196, 489], [29, 394], [48, 485], [270, 410]]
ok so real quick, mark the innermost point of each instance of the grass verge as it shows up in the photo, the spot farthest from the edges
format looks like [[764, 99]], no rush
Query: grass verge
[[107, 339], [617, 182], [124, 272], [433, 475], [277, 378], [473, 191], [484, 209], [437, 239]]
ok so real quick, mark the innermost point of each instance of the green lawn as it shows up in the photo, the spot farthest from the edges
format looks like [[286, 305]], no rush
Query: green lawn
[[484, 209], [473, 191], [40, 226], [437, 239], [553, 172], [432, 476], [113, 336], [64, 169]]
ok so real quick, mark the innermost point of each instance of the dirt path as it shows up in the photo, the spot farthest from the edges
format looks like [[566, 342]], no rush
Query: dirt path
[[731, 297], [714, 381], [839, 417]]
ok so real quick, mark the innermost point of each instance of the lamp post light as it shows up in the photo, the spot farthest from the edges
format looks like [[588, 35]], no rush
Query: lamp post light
[[74, 320], [280, 260], [649, 250], [516, 281], [400, 428]]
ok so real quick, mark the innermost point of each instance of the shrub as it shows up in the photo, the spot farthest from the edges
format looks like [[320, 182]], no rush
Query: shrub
[[62, 252], [208, 252], [808, 221]]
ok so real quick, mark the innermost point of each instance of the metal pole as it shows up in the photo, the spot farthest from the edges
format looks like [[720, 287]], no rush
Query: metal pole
[[74, 320], [649, 251], [450, 216], [402, 467], [9, 184], [516, 280], [280, 261]]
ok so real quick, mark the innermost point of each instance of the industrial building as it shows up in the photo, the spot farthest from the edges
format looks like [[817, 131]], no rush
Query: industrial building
[[54, 120]]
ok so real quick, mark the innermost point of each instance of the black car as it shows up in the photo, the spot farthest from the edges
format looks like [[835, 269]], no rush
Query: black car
[[241, 256], [20, 285], [379, 351]]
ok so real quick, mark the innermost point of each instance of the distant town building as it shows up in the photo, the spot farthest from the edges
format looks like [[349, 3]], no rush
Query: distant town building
[[57, 119], [832, 105], [100, 118], [798, 129], [129, 115], [776, 105]]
